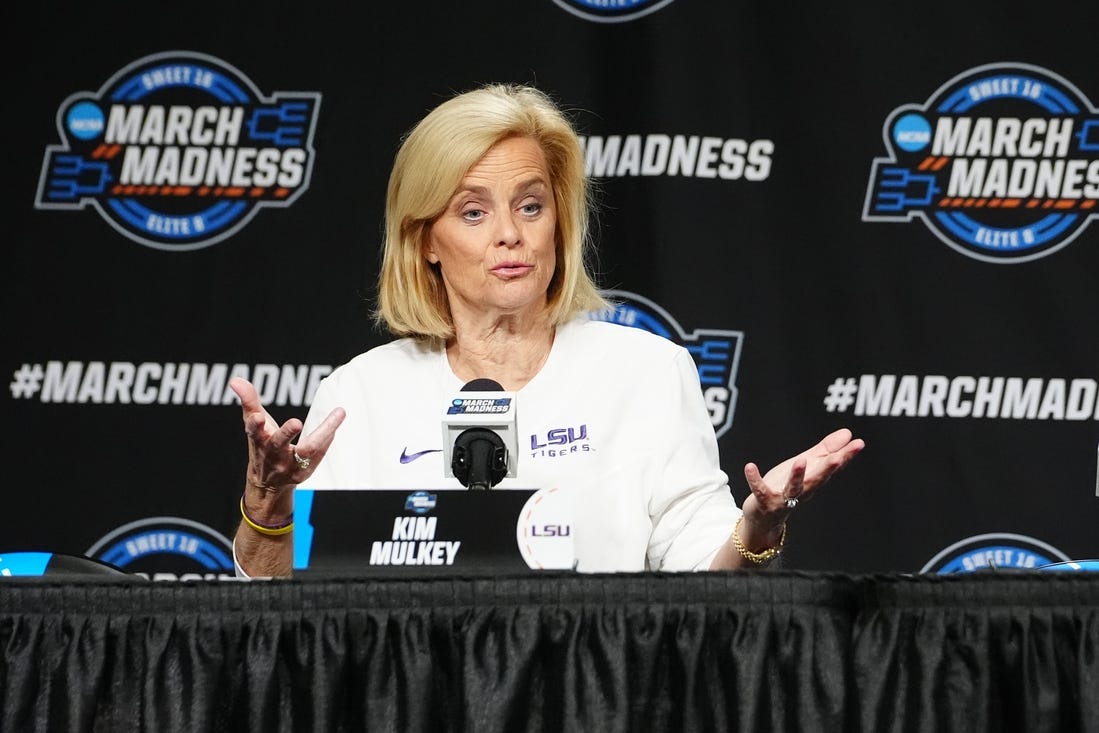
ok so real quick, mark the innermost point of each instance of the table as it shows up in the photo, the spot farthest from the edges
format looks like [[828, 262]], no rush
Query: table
[[749, 651]]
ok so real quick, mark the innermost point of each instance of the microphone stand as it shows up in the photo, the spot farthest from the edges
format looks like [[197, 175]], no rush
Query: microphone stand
[[480, 459]]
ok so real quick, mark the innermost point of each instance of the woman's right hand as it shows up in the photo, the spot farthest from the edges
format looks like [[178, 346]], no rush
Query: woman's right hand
[[275, 462]]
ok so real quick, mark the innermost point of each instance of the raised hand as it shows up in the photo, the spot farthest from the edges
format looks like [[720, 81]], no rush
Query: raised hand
[[794, 480], [275, 462]]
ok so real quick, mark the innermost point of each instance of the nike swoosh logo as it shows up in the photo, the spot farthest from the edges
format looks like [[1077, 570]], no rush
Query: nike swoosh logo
[[410, 457]]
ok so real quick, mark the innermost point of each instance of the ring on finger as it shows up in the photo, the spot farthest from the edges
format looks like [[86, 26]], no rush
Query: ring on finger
[[791, 502], [302, 462]]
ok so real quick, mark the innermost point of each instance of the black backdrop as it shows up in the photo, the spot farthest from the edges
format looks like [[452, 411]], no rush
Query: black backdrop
[[784, 259]]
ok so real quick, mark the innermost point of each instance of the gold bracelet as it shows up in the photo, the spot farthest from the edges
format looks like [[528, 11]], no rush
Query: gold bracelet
[[757, 557], [267, 529]]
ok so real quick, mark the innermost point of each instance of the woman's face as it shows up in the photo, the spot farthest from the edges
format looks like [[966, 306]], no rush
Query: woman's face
[[494, 242]]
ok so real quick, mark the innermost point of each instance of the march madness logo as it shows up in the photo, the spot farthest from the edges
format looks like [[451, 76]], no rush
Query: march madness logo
[[179, 150], [1001, 163], [716, 352], [994, 551], [611, 11], [167, 548]]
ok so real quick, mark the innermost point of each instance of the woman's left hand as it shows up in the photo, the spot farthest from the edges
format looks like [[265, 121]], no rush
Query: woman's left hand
[[794, 480]]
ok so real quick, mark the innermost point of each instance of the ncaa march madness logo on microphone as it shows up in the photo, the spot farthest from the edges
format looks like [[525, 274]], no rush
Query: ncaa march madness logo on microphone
[[716, 352], [1001, 164], [179, 150]]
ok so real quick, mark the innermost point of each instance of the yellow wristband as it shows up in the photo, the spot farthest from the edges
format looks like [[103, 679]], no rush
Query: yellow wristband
[[757, 557], [269, 530]]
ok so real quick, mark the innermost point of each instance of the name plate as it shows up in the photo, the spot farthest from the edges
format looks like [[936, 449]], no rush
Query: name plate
[[362, 532]]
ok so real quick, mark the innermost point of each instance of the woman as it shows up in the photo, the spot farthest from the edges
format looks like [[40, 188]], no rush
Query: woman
[[484, 276]]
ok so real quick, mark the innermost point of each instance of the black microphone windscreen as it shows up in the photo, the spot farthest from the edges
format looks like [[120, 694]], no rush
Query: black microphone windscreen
[[483, 385]]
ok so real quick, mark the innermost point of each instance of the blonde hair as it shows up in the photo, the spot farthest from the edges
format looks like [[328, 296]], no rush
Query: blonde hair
[[429, 166]]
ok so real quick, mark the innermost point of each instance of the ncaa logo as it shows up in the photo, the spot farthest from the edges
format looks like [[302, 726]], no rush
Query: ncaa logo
[[179, 150], [997, 551], [716, 352], [167, 548], [420, 502], [1001, 163], [611, 11]]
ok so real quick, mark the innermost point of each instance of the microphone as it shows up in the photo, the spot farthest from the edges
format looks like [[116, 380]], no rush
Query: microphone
[[479, 435]]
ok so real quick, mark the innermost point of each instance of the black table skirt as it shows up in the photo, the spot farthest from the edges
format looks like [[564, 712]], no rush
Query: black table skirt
[[768, 651]]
